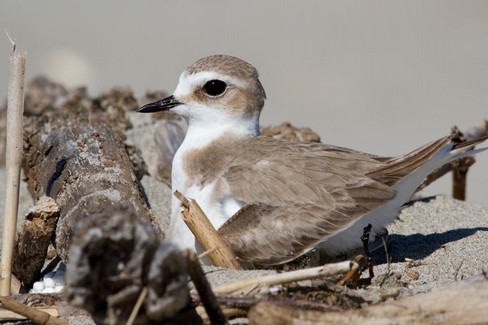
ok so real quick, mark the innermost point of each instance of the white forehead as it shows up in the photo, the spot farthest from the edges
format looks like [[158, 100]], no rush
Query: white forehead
[[189, 82]]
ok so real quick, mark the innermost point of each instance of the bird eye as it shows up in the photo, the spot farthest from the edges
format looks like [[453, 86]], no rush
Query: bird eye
[[214, 87]]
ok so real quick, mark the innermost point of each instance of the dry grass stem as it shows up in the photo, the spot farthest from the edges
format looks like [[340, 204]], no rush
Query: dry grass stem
[[351, 277], [281, 278], [207, 252], [137, 306], [14, 147], [388, 257]]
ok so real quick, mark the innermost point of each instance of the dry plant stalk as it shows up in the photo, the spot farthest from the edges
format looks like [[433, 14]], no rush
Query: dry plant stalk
[[137, 306], [312, 273], [352, 276], [33, 314], [212, 310], [14, 147], [461, 166], [228, 312], [206, 234]]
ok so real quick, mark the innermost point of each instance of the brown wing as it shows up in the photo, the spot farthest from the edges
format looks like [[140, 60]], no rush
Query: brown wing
[[297, 197], [396, 168]]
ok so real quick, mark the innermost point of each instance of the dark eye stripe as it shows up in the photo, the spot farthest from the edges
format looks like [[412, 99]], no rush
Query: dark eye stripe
[[214, 87]]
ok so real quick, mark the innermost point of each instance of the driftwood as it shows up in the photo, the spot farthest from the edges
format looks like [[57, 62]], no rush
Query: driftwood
[[464, 302], [76, 155], [113, 258]]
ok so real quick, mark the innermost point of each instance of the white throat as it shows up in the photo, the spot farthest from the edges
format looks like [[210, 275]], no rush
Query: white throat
[[201, 132]]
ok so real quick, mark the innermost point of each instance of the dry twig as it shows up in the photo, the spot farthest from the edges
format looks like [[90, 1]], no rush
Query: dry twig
[[205, 292], [137, 306], [351, 278], [33, 314], [206, 234], [281, 278]]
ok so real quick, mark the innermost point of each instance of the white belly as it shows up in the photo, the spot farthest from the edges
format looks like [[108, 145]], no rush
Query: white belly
[[217, 207]]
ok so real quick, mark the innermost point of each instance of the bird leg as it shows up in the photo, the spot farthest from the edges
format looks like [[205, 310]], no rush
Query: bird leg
[[365, 241]]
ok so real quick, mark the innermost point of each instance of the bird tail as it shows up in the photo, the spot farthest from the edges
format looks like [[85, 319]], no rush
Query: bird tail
[[464, 149], [428, 157]]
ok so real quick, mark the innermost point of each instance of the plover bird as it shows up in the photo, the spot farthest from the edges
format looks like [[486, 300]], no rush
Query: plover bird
[[273, 200]]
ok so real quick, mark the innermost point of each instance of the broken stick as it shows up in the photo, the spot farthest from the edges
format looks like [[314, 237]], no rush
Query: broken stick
[[316, 272], [206, 234], [37, 316], [207, 296], [15, 111]]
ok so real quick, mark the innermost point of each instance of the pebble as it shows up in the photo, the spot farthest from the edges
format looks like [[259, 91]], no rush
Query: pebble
[[52, 282]]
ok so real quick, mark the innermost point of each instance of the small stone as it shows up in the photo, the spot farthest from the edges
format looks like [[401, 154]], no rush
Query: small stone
[[49, 283], [38, 287]]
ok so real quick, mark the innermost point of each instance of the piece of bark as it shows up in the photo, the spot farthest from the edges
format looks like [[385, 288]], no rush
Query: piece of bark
[[113, 258], [464, 302], [34, 239], [76, 155]]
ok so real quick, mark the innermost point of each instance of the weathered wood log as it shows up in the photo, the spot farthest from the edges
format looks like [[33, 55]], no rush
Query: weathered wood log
[[464, 302], [106, 233], [113, 258], [75, 153]]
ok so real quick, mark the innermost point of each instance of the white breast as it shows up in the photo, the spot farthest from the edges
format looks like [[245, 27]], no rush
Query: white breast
[[218, 206]]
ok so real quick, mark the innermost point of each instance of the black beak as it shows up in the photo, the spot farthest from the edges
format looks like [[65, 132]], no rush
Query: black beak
[[159, 106]]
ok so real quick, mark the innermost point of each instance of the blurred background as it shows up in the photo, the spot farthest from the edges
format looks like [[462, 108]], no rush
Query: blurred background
[[378, 76]]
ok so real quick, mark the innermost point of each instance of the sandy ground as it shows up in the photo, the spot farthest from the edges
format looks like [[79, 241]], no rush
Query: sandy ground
[[448, 239]]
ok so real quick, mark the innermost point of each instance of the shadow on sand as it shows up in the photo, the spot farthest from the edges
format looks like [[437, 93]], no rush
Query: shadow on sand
[[418, 246]]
